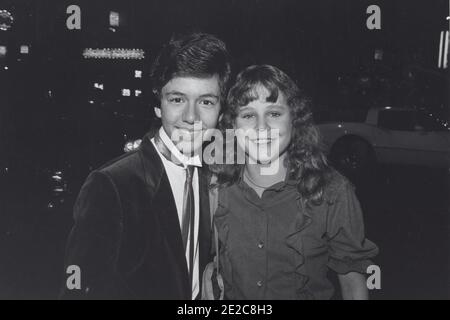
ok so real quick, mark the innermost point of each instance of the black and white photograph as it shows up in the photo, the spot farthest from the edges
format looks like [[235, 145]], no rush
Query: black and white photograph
[[227, 150]]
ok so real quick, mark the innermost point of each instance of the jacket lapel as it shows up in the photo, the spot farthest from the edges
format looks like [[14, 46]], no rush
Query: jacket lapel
[[161, 193], [163, 201]]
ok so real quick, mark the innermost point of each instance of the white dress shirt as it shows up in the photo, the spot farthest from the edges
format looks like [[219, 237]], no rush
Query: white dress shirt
[[177, 179]]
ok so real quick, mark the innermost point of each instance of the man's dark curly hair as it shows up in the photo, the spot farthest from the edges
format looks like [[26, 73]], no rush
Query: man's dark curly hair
[[196, 54], [305, 159]]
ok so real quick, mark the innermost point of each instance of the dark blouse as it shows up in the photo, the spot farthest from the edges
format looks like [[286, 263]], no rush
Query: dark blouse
[[274, 248]]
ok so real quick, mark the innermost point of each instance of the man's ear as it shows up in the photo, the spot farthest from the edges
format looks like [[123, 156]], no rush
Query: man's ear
[[157, 112]]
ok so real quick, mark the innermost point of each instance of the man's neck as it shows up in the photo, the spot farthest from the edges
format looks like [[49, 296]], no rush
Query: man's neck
[[177, 156]]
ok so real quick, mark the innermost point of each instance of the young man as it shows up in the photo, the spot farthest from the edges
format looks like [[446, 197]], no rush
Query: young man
[[142, 222]]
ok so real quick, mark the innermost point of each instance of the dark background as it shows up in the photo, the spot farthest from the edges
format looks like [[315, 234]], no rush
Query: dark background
[[52, 119]]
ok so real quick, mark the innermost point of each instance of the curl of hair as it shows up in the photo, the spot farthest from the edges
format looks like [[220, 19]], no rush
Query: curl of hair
[[305, 158]]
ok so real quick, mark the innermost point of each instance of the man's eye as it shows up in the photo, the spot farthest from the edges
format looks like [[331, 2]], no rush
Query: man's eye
[[247, 116], [176, 100]]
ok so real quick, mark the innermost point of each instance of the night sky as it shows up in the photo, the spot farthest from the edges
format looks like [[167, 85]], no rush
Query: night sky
[[324, 45]]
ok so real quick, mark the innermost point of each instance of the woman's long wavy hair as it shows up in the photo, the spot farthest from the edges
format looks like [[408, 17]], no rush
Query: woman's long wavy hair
[[305, 159]]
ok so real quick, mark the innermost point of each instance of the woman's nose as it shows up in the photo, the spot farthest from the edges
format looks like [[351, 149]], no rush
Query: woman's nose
[[262, 124]]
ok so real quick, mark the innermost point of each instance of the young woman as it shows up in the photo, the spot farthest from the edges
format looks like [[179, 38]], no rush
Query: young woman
[[284, 219]]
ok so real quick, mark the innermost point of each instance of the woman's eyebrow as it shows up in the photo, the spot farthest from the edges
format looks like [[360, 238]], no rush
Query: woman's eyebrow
[[277, 106], [209, 95]]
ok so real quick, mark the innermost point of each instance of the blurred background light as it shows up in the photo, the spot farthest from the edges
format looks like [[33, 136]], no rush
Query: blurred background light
[[114, 19], [24, 49], [115, 53], [3, 51], [6, 20]]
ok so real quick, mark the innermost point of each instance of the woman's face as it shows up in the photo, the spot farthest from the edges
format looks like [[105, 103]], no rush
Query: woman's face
[[263, 128]]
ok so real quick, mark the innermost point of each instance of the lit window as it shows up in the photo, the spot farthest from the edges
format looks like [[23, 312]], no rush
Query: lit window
[[378, 54], [114, 19], [98, 86], [3, 51], [137, 93], [443, 50], [137, 73], [24, 49], [126, 92]]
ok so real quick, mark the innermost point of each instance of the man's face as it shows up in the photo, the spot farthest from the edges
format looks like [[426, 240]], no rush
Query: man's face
[[189, 107]]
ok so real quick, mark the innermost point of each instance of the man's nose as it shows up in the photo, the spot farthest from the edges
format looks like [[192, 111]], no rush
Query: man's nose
[[189, 113]]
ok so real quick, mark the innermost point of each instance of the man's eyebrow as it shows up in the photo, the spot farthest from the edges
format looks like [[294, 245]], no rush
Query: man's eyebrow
[[178, 93], [244, 108]]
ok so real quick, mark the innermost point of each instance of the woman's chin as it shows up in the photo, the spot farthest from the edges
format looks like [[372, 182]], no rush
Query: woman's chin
[[266, 161]]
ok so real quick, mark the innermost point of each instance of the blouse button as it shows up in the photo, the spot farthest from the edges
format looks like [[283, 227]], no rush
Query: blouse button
[[259, 283], [260, 245]]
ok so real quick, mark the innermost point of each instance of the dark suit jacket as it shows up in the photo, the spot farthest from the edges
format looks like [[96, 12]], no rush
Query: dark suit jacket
[[127, 239]]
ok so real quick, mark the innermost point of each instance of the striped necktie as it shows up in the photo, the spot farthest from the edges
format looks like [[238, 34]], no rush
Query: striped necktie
[[189, 218], [188, 215]]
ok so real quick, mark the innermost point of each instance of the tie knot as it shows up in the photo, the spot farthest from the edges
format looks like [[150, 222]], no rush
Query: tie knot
[[164, 150]]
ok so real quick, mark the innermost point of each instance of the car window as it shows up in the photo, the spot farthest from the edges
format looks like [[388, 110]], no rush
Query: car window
[[428, 122], [400, 120]]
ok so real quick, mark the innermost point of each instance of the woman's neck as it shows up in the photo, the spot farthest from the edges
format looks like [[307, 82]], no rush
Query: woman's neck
[[264, 176]]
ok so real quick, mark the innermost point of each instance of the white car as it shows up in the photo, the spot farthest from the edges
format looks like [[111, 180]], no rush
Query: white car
[[388, 135]]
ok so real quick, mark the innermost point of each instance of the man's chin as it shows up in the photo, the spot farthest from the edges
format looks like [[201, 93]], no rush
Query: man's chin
[[188, 150]]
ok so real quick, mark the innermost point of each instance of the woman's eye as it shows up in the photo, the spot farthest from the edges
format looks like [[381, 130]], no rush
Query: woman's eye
[[207, 102], [275, 114]]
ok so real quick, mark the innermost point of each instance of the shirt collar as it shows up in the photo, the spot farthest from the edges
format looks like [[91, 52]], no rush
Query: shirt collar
[[289, 181], [183, 159]]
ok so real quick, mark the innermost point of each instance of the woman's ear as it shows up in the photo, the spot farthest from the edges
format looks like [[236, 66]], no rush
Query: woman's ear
[[220, 117], [157, 112]]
